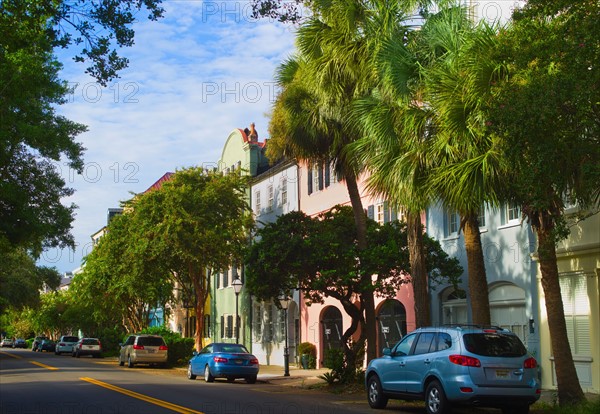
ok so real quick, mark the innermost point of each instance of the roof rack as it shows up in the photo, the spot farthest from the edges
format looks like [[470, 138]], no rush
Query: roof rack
[[471, 326]]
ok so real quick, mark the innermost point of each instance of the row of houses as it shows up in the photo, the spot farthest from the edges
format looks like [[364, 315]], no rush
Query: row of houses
[[515, 294]]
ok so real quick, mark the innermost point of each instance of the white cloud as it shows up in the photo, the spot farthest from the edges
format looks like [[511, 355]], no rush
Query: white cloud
[[193, 77]]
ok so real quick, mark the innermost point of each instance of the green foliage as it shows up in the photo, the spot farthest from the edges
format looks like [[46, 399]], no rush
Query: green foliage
[[307, 348], [21, 280], [330, 377], [319, 255]]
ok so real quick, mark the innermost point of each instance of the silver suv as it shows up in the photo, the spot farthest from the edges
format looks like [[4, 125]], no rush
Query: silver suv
[[458, 365], [143, 349]]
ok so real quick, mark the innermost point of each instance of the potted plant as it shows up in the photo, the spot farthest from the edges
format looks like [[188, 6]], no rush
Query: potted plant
[[308, 355]]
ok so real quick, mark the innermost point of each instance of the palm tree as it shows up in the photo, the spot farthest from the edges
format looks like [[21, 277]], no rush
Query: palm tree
[[425, 137], [309, 120]]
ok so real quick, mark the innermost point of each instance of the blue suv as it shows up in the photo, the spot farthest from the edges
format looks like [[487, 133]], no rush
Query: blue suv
[[456, 365]]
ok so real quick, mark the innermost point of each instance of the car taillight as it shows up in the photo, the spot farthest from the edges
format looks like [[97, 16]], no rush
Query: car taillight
[[138, 347], [530, 363], [464, 360], [219, 359], [163, 348], [253, 361]]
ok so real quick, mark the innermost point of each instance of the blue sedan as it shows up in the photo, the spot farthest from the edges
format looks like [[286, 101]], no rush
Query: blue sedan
[[223, 360]]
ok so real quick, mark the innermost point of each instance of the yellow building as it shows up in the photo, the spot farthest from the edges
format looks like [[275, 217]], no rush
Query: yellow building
[[578, 260]]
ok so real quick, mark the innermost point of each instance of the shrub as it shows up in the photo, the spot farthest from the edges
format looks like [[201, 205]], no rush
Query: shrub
[[306, 348]]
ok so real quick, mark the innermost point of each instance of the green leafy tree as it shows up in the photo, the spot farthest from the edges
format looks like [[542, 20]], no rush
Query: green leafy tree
[[195, 222], [32, 136], [320, 256], [547, 113], [118, 268], [20, 279]]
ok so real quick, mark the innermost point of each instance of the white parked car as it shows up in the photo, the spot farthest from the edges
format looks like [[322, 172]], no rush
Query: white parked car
[[65, 344]]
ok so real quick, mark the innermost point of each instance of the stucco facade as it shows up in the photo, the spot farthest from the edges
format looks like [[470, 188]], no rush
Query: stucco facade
[[274, 193], [241, 154], [508, 245]]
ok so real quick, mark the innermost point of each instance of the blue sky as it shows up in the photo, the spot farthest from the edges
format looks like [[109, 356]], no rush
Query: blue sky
[[195, 75], [204, 69]]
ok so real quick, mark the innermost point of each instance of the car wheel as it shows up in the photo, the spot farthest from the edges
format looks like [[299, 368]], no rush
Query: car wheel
[[207, 375], [516, 409], [190, 373], [435, 399], [130, 363], [121, 362], [251, 379], [375, 393]]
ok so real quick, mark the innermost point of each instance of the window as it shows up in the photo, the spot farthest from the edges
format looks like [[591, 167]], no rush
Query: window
[[513, 212], [257, 318], [379, 215], [573, 289], [451, 223], [444, 341], [403, 347], [284, 194], [229, 327], [207, 326], [423, 345], [218, 280], [481, 216], [226, 278], [257, 202], [270, 198], [318, 177]]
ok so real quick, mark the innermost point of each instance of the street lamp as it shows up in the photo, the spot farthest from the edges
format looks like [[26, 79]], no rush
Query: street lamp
[[237, 288], [285, 303]]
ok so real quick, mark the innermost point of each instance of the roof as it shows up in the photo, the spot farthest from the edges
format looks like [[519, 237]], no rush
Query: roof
[[166, 177], [248, 140]]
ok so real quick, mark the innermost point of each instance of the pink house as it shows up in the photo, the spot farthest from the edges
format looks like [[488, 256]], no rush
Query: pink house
[[323, 324]]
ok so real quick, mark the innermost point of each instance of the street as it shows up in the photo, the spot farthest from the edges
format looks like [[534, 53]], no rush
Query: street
[[33, 382]]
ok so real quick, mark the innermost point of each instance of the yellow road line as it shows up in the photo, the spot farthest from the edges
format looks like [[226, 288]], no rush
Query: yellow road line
[[10, 355], [44, 366], [161, 403]]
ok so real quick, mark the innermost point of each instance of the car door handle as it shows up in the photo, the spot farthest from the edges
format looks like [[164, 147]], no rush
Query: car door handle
[[427, 361], [402, 363]]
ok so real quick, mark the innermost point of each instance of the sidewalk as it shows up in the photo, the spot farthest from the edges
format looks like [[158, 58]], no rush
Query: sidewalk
[[274, 374]]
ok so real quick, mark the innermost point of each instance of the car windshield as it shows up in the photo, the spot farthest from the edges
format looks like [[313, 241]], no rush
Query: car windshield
[[231, 348], [70, 339], [89, 341], [150, 341], [494, 344]]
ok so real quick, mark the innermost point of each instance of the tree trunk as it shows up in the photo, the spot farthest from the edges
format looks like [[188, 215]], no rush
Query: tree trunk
[[569, 389], [360, 218], [478, 288], [418, 270]]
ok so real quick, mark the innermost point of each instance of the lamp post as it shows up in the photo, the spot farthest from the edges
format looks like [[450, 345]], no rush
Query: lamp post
[[285, 303], [237, 288]]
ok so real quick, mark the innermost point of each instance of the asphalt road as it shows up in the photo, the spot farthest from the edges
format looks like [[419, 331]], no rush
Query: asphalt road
[[33, 382]]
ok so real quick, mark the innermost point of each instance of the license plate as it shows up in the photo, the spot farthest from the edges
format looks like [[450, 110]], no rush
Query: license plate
[[151, 351], [239, 361], [502, 373]]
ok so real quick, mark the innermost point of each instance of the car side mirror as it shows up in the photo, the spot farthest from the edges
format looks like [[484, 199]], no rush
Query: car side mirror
[[387, 351]]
